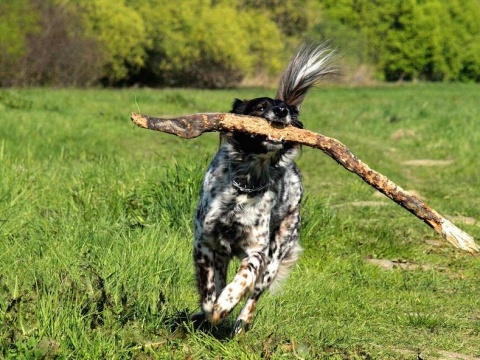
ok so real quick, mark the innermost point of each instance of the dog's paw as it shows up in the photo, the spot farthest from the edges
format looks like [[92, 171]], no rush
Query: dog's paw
[[240, 327], [220, 312]]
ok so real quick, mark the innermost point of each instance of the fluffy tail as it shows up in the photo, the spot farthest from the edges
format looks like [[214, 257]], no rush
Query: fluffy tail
[[308, 66]]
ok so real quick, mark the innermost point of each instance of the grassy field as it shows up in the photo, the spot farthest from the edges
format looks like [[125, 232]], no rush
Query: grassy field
[[96, 229]]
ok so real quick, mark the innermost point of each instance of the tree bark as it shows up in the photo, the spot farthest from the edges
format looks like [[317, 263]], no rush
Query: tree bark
[[191, 126]]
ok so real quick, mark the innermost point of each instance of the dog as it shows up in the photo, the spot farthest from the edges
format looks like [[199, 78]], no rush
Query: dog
[[250, 199]]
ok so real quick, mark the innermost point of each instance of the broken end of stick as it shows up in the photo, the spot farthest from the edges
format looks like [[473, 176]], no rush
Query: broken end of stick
[[139, 120], [458, 238]]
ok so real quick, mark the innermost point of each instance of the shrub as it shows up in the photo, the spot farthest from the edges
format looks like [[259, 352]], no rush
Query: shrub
[[120, 31], [195, 43], [430, 40], [60, 54], [18, 19]]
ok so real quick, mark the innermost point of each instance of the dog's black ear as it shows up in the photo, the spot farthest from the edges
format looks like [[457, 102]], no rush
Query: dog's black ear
[[239, 106]]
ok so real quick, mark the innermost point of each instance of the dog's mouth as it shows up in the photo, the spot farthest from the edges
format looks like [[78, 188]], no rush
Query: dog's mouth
[[273, 143], [260, 143], [274, 139]]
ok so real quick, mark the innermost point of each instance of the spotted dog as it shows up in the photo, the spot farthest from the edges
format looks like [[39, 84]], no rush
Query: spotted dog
[[250, 200]]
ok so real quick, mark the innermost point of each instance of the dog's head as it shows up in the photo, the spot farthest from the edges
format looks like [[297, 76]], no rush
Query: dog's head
[[273, 110]]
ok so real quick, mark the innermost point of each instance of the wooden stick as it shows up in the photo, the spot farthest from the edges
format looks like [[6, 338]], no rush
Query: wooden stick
[[191, 126]]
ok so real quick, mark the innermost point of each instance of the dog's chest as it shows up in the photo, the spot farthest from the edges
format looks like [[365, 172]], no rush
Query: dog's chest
[[250, 211], [238, 217], [233, 220]]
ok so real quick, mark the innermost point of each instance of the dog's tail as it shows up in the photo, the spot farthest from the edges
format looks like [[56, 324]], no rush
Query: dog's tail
[[311, 63]]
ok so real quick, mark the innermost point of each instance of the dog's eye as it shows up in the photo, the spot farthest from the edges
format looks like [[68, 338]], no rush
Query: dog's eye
[[260, 108]]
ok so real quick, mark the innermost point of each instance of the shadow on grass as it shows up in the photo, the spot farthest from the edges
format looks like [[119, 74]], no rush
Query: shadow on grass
[[182, 322]]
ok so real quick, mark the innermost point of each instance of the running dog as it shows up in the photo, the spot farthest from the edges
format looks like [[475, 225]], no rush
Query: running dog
[[250, 199]]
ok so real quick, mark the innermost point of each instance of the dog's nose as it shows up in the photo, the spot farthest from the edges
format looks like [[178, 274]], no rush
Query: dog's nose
[[280, 111]]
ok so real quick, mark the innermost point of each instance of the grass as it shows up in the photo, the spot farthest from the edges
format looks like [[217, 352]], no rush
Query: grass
[[95, 229]]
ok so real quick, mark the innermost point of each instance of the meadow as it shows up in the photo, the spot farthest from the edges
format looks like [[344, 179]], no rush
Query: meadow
[[96, 229]]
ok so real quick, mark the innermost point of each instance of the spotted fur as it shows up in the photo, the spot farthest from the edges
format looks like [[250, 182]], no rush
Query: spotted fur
[[250, 201]]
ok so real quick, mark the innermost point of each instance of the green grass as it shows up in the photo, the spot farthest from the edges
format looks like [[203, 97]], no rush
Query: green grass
[[96, 229]]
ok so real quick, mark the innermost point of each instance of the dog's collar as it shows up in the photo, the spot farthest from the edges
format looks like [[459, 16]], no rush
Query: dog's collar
[[244, 188]]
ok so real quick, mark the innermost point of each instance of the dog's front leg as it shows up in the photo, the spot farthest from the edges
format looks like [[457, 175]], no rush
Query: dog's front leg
[[263, 283], [243, 282]]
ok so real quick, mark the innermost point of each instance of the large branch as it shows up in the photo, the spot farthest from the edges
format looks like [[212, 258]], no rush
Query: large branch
[[191, 126]]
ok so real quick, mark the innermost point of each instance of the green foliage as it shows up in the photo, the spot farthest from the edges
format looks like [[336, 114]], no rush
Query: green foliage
[[196, 43], [413, 39], [18, 20], [218, 43], [294, 18], [121, 32]]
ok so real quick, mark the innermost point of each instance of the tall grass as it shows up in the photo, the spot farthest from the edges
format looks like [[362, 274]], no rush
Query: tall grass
[[96, 229]]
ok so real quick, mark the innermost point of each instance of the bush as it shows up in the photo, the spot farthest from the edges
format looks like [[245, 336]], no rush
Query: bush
[[60, 54], [429, 40], [120, 32], [207, 43], [18, 19], [50, 50], [194, 43], [47, 42]]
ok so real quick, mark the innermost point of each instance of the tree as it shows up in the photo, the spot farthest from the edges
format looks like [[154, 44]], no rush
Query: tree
[[414, 39], [121, 32], [205, 43], [18, 20], [292, 17], [60, 54]]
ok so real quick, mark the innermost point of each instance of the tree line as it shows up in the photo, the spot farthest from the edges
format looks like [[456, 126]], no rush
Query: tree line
[[217, 43]]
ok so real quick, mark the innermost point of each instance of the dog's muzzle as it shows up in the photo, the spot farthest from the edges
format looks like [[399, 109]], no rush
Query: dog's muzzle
[[279, 114]]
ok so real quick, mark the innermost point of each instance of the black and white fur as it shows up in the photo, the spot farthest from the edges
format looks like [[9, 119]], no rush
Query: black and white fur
[[250, 200]]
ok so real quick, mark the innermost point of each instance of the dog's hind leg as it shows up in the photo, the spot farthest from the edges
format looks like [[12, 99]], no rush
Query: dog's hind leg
[[205, 276], [243, 282], [211, 272], [220, 271]]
